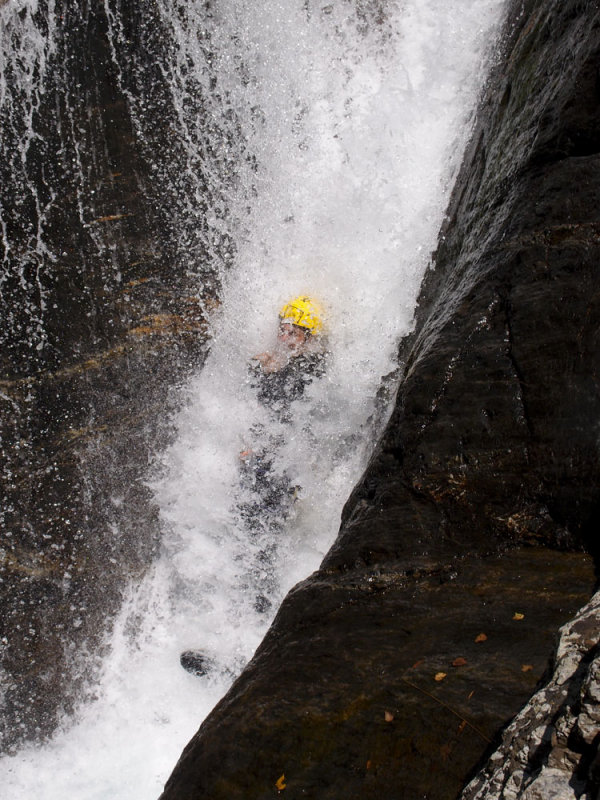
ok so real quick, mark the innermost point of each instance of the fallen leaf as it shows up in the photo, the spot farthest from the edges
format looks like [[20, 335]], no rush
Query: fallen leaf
[[526, 667], [517, 615], [459, 662], [439, 676], [368, 765], [481, 638], [280, 783], [471, 695], [389, 717], [462, 726]]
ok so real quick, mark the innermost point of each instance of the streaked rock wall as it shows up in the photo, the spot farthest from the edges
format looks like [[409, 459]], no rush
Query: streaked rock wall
[[99, 321]]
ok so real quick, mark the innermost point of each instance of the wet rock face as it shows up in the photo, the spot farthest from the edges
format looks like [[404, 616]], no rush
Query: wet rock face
[[98, 323], [494, 429], [375, 679], [383, 683]]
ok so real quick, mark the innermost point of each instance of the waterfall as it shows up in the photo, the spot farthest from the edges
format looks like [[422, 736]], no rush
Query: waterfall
[[311, 149]]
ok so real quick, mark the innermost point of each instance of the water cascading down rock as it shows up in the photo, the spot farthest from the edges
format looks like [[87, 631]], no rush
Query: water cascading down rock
[[471, 537], [99, 319]]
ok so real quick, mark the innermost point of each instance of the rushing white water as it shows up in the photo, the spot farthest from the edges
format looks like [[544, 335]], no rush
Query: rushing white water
[[352, 121], [24, 62]]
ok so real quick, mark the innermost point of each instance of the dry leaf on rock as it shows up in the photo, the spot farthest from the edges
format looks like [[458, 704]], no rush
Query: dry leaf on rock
[[439, 676], [459, 662], [481, 638], [280, 783]]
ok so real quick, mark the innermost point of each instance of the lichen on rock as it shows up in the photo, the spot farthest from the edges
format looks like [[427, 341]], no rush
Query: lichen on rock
[[550, 750]]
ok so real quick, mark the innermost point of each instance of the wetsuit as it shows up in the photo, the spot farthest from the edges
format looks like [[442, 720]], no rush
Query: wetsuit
[[273, 492], [278, 390]]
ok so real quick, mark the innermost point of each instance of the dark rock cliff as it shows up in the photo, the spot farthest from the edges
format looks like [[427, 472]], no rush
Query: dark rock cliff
[[472, 536], [99, 320]]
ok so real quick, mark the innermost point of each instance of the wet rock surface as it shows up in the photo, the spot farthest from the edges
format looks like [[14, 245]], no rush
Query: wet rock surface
[[385, 684], [196, 662], [99, 321], [482, 499]]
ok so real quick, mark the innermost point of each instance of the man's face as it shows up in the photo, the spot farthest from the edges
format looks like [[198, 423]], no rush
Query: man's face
[[291, 336]]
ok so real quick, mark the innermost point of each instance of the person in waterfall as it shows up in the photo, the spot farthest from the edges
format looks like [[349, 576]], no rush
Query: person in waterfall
[[280, 377]]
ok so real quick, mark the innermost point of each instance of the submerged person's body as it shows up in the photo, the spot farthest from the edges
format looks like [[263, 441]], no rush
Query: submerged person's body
[[267, 494], [280, 378]]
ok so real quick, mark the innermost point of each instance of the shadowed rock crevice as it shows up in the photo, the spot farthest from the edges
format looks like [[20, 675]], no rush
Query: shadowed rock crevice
[[469, 540]]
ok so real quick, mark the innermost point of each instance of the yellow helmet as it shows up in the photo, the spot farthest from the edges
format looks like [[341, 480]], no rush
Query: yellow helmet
[[304, 312]]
